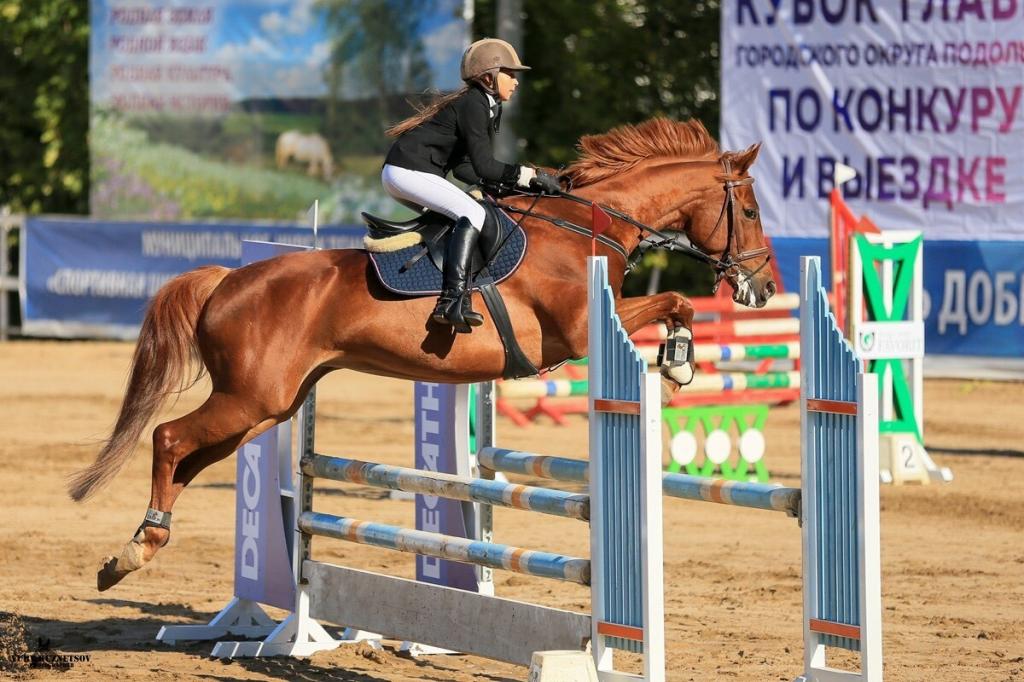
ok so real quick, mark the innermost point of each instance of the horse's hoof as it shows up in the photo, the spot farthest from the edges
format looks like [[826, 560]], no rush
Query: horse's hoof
[[680, 374], [668, 389], [132, 558], [109, 575]]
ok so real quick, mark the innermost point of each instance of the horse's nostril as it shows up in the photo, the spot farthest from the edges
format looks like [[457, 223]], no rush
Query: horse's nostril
[[770, 289]]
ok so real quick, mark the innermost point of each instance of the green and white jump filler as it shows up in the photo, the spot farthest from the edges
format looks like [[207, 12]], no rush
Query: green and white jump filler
[[886, 327]]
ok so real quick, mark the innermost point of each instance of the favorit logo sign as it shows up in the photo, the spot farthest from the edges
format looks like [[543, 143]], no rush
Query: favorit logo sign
[[889, 340], [866, 341]]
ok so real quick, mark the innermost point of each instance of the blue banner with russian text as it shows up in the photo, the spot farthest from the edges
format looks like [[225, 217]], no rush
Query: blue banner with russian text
[[973, 298], [87, 278]]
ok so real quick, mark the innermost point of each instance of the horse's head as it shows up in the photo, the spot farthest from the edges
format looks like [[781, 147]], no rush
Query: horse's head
[[727, 226], [671, 175]]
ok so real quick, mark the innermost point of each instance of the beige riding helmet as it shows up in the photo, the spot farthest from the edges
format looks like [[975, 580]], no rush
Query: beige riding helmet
[[489, 54]]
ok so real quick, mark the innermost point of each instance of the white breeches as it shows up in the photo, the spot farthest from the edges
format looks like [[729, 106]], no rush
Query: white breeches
[[417, 190]]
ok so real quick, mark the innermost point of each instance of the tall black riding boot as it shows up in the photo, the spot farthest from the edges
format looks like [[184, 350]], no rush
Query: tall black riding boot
[[454, 305]]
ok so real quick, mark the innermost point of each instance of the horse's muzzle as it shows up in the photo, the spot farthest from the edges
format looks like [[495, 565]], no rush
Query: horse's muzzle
[[753, 293]]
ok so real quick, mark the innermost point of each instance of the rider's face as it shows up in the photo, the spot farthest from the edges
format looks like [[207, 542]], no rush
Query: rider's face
[[506, 84]]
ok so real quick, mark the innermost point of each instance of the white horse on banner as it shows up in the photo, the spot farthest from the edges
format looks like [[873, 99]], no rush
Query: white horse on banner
[[305, 148]]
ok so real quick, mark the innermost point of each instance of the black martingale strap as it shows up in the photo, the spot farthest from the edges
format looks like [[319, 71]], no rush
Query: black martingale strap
[[517, 365]]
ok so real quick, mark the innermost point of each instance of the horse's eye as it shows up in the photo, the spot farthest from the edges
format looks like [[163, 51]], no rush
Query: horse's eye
[[750, 213]]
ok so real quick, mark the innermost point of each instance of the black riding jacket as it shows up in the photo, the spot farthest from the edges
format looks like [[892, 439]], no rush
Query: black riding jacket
[[458, 139]]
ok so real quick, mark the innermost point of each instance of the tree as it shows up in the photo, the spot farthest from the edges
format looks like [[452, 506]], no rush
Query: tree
[[44, 105], [601, 63], [376, 44]]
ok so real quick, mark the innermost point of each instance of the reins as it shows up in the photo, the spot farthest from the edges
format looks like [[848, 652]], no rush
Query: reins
[[566, 224]]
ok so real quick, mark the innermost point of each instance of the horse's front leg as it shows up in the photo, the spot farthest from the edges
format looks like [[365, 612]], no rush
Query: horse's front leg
[[676, 312]]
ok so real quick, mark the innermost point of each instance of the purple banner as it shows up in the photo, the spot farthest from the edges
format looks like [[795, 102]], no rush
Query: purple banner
[[438, 444], [264, 517], [263, 571]]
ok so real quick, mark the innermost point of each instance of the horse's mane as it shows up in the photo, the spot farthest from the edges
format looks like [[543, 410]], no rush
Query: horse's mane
[[623, 147]]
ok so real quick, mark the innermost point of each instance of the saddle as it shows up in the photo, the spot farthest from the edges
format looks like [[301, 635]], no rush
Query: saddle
[[408, 259]]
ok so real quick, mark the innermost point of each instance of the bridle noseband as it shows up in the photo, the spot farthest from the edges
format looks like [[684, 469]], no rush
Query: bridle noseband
[[728, 265]]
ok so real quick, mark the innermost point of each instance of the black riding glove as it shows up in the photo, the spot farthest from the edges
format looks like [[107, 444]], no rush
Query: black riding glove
[[546, 183]]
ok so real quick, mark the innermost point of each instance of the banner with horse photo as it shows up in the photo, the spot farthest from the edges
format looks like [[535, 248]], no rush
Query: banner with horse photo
[[254, 108]]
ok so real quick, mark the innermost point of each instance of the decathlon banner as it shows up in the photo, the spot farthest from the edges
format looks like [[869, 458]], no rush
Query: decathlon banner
[[85, 278], [252, 108], [923, 98], [437, 412]]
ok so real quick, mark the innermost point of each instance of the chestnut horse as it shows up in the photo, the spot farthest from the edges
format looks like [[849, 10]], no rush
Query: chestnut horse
[[268, 331]]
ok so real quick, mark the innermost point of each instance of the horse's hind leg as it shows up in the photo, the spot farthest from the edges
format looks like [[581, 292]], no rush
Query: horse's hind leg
[[181, 449]]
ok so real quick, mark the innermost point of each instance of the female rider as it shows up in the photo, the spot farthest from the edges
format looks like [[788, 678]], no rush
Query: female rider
[[456, 134]]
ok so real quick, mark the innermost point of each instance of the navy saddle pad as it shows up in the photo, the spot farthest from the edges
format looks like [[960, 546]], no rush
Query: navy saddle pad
[[411, 272]]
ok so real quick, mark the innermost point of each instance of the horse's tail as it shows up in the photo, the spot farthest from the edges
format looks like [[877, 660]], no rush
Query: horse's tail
[[165, 350]]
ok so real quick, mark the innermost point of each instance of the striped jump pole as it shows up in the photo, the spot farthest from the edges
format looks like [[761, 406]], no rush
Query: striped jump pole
[[719, 352], [529, 464], [771, 327], [530, 562], [494, 493], [733, 352], [766, 496], [538, 388], [725, 382], [715, 304], [702, 383]]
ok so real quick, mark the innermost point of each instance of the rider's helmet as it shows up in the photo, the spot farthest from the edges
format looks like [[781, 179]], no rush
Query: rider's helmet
[[489, 55]]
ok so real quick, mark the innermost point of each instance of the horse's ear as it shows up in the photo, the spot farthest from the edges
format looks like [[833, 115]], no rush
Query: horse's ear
[[743, 160]]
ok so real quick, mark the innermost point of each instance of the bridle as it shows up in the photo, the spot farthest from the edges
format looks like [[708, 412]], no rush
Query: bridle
[[728, 265]]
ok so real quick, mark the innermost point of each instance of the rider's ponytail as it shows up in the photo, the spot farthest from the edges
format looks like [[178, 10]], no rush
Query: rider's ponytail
[[426, 113]]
